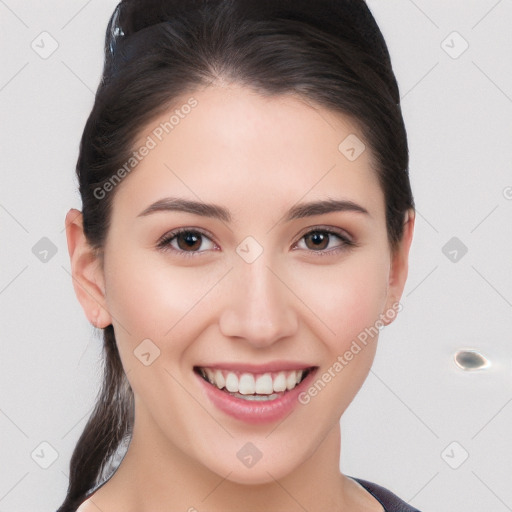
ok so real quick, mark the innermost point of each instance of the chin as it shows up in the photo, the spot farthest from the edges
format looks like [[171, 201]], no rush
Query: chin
[[261, 473], [254, 477]]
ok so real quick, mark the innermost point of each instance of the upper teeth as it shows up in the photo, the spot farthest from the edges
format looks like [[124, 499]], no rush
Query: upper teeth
[[248, 383]]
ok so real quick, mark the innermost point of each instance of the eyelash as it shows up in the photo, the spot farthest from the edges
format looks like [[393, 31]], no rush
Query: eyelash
[[164, 243]]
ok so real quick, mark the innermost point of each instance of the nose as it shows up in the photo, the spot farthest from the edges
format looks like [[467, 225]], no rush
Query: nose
[[258, 305]]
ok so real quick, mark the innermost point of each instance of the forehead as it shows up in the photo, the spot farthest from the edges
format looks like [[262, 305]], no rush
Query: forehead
[[239, 148]]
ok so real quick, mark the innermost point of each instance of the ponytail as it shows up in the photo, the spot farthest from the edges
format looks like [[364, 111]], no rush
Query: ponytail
[[110, 423]]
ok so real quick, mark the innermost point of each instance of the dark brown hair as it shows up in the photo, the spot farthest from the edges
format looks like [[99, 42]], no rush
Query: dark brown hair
[[329, 52]]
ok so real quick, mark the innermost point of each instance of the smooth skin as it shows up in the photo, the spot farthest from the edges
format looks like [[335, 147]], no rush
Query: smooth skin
[[257, 157]]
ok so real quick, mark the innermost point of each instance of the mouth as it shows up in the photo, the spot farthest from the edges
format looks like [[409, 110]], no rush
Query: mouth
[[262, 386]]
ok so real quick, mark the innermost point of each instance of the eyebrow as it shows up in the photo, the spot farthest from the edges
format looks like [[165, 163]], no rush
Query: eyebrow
[[218, 212]]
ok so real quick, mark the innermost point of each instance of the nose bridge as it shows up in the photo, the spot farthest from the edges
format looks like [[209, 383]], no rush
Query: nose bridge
[[258, 307]]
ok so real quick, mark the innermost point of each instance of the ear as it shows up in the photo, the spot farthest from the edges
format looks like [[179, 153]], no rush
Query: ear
[[86, 271], [399, 270]]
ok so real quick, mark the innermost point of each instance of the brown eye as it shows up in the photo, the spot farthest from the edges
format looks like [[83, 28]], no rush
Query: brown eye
[[185, 241], [323, 241], [317, 240], [188, 240]]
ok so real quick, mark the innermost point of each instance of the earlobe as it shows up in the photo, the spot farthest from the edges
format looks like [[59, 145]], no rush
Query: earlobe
[[86, 271], [399, 269]]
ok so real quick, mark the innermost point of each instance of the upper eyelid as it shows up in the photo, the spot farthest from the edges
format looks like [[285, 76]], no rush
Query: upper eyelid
[[330, 229], [175, 232]]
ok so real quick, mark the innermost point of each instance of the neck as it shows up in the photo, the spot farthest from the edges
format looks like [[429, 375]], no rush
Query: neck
[[153, 474]]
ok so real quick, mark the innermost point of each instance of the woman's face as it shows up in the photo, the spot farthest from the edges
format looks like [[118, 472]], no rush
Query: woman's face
[[261, 287]]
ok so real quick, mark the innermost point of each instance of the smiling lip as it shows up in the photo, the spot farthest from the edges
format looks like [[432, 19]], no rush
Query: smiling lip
[[274, 366], [252, 411]]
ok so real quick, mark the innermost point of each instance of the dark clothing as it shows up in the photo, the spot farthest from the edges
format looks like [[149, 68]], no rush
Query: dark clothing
[[391, 502]]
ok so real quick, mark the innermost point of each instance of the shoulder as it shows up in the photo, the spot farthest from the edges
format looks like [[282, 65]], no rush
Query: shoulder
[[390, 501]]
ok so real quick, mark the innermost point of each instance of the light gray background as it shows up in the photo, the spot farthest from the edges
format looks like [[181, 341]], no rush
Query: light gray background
[[415, 402]]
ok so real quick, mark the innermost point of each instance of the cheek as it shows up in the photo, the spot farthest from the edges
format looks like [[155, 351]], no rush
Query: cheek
[[151, 297], [345, 299], [152, 300], [348, 299]]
